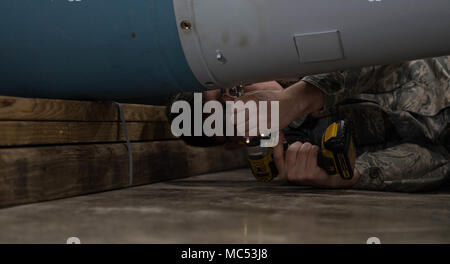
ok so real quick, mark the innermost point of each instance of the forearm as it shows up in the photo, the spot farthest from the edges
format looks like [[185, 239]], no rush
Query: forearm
[[322, 91], [304, 98], [339, 86]]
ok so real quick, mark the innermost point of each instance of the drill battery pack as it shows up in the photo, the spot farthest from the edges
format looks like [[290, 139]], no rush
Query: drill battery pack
[[337, 150]]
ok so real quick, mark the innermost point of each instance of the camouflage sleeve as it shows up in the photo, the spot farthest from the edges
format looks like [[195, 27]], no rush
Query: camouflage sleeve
[[341, 85], [404, 168]]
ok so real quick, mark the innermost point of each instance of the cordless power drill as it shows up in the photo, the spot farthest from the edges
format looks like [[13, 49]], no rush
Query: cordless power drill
[[336, 155]]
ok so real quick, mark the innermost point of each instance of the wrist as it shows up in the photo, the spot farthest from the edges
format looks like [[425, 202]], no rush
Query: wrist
[[354, 180], [339, 183], [356, 177], [304, 98]]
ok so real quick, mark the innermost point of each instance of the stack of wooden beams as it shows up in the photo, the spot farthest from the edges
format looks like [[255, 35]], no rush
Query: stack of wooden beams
[[52, 149]]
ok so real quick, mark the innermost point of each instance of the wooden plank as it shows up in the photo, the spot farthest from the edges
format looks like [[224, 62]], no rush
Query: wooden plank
[[43, 173], [19, 133], [30, 109]]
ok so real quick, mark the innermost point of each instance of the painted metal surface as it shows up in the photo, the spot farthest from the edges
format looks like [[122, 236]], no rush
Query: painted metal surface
[[125, 50], [247, 41]]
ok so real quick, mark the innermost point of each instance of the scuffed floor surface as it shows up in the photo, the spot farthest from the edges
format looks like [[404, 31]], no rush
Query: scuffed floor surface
[[231, 207]]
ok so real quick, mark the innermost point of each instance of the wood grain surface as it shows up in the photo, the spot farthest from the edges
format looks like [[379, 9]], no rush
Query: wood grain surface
[[30, 109], [36, 174]]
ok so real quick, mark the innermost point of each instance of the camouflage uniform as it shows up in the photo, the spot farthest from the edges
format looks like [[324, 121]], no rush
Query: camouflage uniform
[[401, 115]]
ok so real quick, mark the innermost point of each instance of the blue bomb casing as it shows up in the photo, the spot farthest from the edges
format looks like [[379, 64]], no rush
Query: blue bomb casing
[[137, 50], [126, 50]]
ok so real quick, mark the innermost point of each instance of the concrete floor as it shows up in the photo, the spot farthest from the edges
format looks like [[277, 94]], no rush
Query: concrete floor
[[230, 207]]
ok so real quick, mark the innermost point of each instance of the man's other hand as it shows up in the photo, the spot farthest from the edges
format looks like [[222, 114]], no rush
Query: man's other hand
[[299, 166], [295, 101]]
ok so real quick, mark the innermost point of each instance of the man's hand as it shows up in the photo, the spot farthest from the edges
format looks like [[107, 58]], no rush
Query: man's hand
[[295, 102], [299, 166]]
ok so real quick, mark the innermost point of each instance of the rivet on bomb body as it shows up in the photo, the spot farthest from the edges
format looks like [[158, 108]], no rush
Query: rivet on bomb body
[[220, 57], [186, 25]]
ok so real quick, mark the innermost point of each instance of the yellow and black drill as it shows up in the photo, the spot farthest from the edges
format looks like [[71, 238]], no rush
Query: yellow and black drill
[[336, 155]]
